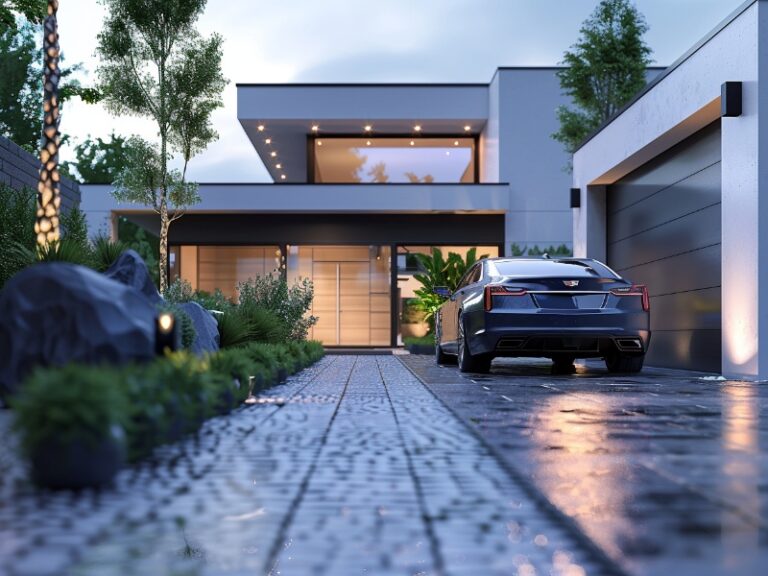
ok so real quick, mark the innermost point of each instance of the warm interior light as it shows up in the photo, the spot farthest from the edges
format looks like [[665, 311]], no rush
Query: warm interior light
[[315, 128], [417, 128], [165, 322], [268, 140], [278, 166], [273, 154], [367, 142], [413, 143], [455, 142], [260, 127], [282, 176], [368, 127], [319, 142], [467, 128]]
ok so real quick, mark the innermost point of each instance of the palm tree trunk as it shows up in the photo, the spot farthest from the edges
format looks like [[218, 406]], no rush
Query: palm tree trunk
[[48, 193]]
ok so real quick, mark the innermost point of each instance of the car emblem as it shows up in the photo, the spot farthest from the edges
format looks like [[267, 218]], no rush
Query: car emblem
[[571, 283]]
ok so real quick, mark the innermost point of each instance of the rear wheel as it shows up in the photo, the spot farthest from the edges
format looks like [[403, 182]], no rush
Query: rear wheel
[[563, 365], [617, 363], [480, 363]]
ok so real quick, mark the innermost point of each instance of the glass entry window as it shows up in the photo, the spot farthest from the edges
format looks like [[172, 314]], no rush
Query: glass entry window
[[352, 292], [394, 160]]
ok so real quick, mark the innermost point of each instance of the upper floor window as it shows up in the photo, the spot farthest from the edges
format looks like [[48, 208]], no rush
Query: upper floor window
[[394, 160]]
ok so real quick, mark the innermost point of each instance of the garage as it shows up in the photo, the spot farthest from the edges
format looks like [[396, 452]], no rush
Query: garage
[[664, 230]]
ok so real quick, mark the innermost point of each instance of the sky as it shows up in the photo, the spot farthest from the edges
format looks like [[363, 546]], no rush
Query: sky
[[366, 41]]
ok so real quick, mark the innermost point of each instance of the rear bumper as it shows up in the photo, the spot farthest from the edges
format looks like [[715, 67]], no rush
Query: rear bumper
[[582, 335]]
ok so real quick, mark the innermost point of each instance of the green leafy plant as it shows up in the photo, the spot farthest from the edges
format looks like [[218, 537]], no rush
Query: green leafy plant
[[67, 404], [216, 301], [17, 221], [64, 250], [234, 329], [439, 271], [179, 292], [75, 226], [289, 304], [106, 252], [561, 251]]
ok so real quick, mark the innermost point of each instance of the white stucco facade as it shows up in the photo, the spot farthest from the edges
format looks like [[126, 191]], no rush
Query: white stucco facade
[[684, 100]]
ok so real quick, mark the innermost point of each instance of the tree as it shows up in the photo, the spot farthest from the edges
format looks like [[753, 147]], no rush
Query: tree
[[100, 161], [32, 10], [604, 69], [156, 65]]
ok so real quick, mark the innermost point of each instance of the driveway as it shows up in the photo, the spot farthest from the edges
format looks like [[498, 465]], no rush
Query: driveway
[[665, 471]]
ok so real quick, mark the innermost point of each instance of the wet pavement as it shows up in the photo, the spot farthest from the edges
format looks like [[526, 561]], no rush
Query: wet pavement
[[665, 471], [353, 467]]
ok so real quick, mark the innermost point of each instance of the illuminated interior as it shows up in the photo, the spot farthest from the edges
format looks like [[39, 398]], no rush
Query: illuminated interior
[[416, 160]]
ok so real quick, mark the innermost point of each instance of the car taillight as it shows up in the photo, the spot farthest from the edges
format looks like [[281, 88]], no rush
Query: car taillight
[[635, 290], [492, 290]]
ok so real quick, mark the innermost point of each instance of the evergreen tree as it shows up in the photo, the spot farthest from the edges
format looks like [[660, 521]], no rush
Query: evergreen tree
[[605, 69]]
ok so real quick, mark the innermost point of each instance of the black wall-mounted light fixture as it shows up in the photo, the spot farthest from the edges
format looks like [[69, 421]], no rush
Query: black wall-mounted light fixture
[[730, 99], [575, 197]]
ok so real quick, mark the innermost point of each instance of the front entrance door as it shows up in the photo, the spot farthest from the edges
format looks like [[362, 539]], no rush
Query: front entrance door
[[342, 294]]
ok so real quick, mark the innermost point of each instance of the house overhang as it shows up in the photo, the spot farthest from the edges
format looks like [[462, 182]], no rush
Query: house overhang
[[279, 118]]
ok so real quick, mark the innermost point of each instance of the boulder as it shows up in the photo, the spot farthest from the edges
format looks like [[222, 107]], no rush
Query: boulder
[[130, 269], [56, 313], [206, 328]]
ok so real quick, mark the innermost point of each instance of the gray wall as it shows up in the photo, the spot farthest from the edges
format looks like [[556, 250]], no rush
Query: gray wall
[[664, 230], [19, 168]]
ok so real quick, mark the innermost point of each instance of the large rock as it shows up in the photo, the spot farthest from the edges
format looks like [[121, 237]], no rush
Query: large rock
[[130, 269], [206, 327], [56, 313]]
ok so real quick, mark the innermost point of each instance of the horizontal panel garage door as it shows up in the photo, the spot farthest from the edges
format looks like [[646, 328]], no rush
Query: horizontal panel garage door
[[664, 231]]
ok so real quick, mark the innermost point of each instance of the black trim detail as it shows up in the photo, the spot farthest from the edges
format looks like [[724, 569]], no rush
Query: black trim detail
[[575, 197], [730, 99]]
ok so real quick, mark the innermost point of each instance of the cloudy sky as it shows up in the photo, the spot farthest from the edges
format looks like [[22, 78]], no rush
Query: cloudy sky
[[369, 41]]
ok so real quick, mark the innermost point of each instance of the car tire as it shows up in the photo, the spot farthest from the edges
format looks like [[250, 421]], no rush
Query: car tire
[[563, 365], [618, 363], [479, 363], [440, 356]]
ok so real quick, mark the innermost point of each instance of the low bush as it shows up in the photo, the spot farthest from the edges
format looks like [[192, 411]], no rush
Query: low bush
[[154, 403], [106, 252], [290, 304]]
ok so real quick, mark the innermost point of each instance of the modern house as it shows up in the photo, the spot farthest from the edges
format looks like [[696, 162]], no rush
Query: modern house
[[366, 174], [672, 194]]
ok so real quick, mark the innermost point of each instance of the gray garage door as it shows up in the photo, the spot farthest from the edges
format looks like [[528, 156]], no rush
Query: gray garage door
[[664, 231]]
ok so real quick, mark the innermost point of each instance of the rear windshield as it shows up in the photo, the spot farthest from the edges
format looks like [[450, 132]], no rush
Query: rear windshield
[[552, 268]]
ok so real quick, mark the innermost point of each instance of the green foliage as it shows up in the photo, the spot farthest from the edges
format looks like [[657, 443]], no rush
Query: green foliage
[[146, 245], [100, 161], [561, 251], [179, 291], [106, 252], [428, 340], [17, 220], [289, 304], [32, 10], [234, 329], [64, 250], [439, 271], [75, 226], [604, 69], [68, 403], [216, 301], [154, 64]]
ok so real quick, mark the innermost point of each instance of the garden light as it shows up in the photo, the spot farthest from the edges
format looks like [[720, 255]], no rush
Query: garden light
[[167, 336]]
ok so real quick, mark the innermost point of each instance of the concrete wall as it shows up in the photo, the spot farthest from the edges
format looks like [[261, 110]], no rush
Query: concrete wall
[[684, 100], [19, 168]]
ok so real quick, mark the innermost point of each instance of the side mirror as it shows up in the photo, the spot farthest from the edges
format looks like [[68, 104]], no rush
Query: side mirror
[[443, 291]]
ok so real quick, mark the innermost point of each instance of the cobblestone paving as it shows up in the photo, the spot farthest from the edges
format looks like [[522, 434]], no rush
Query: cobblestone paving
[[666, 471], [352, 467]]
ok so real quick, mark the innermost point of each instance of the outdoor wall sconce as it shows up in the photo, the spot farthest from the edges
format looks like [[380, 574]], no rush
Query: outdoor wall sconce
[[730, 99], [575, 197], [167, 335]]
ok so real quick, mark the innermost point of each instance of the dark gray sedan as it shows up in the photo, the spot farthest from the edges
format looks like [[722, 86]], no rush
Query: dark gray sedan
[[562, 309]]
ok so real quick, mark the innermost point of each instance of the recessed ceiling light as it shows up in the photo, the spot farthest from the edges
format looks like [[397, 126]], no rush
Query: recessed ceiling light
[[273, 154], [413, 143], [319, 142], [260, 127], [268, 140], [278, 166], [315, 128], [368, 143], [282, 176], [417, 127], [455, 142], [467, 128], [368, 127]]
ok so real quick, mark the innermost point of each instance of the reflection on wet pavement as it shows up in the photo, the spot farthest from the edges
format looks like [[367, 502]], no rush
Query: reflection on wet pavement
[[662, 470]]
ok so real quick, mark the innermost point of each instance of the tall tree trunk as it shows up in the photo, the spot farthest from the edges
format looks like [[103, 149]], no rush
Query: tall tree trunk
[[48, 193], [164, 226]]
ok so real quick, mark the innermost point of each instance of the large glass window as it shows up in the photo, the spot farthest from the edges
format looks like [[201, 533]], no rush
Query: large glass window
[[394, 160]]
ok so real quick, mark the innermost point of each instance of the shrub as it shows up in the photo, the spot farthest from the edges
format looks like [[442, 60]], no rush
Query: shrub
[[216, 301], [289, 304], [64, 250], [17, 221], [68, 403], [74, 226], [106, 252], [234, 329], [179, 292], [263, 325]]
